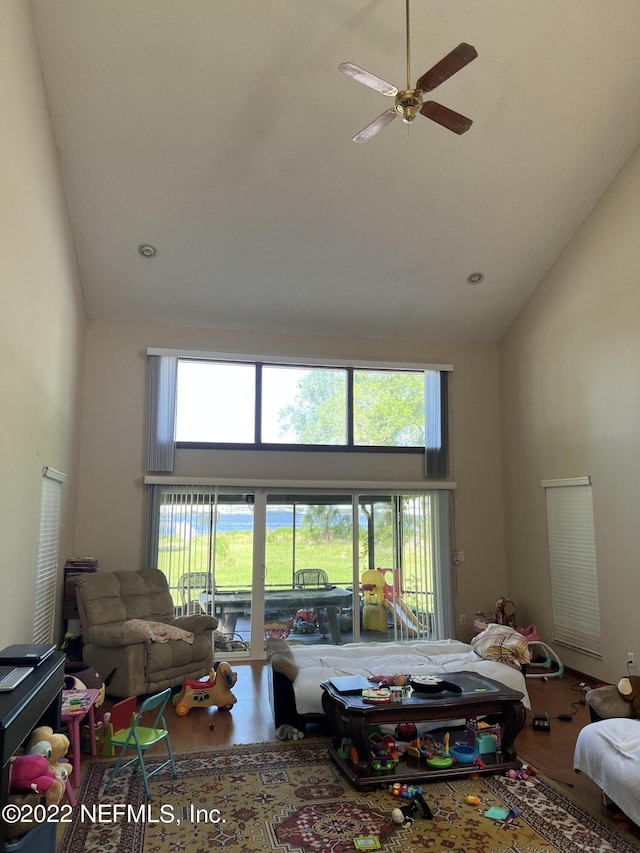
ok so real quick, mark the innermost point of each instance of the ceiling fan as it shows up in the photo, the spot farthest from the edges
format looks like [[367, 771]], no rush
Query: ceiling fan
[[409, 102]]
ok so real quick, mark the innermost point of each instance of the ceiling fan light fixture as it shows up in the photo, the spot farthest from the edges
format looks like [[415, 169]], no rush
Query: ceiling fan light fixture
[[409, 102], [475, 278], [146, 250]]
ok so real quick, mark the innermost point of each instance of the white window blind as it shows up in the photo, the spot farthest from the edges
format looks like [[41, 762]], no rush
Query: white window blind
[[47, 566], [574, 572]]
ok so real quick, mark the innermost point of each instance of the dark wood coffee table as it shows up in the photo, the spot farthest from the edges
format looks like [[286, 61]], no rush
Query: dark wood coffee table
[[351, 719]]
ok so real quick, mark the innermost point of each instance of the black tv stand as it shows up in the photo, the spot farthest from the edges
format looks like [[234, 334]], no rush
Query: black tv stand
[[34, 702]]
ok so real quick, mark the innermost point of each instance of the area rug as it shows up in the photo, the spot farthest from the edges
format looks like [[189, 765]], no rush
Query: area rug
[[289, 797]]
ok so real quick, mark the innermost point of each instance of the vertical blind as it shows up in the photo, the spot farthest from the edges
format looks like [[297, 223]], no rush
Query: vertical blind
[[47, 565], [574, 572], [163, 381], [182, 543]]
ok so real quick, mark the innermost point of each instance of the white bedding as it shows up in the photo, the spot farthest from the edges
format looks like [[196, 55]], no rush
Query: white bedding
[[317, 664], [608, 752]]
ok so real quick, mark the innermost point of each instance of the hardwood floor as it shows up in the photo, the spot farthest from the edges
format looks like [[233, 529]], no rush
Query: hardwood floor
[[551, 752]]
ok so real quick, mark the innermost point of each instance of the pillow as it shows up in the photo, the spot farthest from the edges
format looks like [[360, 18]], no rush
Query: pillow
[[159, 632], [281, 658], [501, 643]]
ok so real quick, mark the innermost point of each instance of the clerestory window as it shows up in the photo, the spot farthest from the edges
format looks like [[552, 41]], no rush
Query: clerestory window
[[236, 403]]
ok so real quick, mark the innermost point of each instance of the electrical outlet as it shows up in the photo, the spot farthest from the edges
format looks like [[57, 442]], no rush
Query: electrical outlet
[[631, 659], [463, 619]]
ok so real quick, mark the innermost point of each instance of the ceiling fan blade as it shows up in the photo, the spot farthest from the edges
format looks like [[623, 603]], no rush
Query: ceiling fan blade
[[460, 56], [376, 125], [368, 79], [447, 118]]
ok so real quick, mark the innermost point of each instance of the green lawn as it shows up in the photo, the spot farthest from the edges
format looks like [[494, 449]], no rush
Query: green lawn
[[234, 558]]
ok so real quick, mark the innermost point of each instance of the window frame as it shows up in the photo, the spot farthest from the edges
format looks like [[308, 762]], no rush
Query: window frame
[[349, 446]]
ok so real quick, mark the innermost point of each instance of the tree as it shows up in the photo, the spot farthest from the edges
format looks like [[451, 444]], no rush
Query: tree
[[388, 408], [318, 415], [320, 521]]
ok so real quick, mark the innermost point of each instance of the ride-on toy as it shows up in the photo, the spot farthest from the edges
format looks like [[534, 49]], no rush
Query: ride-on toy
[[216, 690]]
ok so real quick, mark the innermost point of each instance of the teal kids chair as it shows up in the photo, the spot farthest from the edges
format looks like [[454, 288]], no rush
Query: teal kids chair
[[141, 738]]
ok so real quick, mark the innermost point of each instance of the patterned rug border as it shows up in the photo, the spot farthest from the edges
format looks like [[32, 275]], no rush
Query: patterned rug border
[[274, 755]]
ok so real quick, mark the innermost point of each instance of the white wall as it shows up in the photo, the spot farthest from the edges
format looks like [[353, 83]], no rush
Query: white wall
[[111, 509], [41, 323], [570, 377]]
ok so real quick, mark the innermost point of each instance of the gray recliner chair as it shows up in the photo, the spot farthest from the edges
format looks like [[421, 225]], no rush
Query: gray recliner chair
[[107, 601]]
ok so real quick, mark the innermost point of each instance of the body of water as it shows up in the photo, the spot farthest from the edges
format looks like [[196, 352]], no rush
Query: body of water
[[172, 522]]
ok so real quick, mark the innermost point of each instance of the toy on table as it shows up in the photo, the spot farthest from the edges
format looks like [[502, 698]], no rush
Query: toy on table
[[204, 694], [80, 676]]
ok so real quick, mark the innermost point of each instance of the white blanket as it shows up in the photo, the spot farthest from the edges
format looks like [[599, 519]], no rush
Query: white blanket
[[317, 664], [609, 753]]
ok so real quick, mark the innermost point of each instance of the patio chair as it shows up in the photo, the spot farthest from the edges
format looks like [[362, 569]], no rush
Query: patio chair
[[141, 738], [311, 579], [311, 616], [190, 585]]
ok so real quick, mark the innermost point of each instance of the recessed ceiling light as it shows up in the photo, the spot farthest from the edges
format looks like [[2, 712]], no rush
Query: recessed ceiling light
[[475, 278], [146, 250]]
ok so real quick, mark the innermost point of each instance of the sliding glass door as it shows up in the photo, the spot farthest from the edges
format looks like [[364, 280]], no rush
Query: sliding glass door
[[311, 567]]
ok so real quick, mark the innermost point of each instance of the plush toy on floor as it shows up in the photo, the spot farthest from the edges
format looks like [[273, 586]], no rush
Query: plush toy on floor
[[204, 694], [287, 732]]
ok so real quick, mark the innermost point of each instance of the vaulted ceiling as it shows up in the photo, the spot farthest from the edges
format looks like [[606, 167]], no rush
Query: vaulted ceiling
[[219, 132]]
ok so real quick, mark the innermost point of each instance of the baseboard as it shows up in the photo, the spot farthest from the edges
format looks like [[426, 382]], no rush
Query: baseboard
[[589, 680]]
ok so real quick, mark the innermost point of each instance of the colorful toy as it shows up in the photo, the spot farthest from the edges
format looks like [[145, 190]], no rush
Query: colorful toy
[[383, 752], [204, 694], [406, 791], [525, 772], [405, 813], [120, 717], [306, 622], [374, 614]]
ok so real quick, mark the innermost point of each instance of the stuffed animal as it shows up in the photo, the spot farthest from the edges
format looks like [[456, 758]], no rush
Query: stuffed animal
[[53, 746], [505, 612], [287, 732], [629, 689], [32, 773], [26, 802]]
